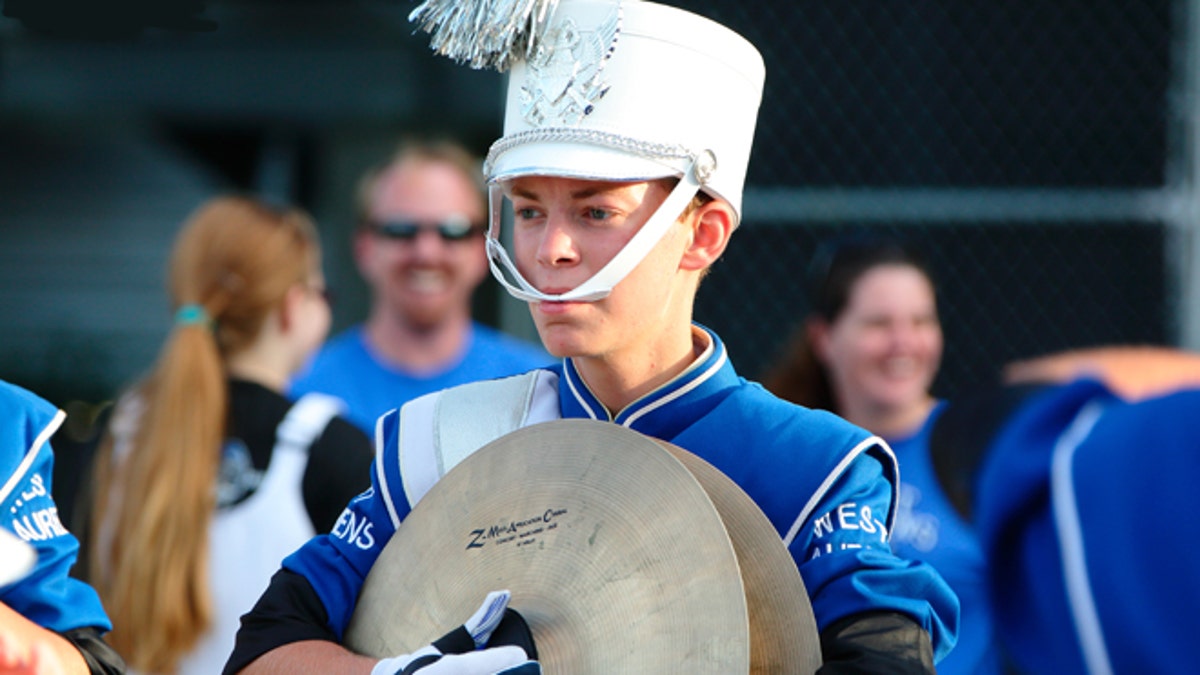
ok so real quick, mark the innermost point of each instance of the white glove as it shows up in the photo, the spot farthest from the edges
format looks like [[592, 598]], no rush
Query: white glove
[[482, 662], [429, 660]]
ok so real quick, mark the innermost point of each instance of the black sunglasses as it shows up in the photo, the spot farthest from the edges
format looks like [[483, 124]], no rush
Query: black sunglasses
[[451, 229]]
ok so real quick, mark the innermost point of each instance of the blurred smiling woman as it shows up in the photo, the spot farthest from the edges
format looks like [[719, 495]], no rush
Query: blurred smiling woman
[[869, 351]]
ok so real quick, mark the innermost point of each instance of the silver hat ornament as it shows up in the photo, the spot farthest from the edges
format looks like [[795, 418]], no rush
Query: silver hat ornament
[[483, 33], [618, 90]]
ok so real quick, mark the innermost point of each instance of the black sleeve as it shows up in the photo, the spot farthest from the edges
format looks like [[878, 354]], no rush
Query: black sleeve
[[339, 469], [75, 446], [876, 642], [100, 657], [288, 611], [962, 434]]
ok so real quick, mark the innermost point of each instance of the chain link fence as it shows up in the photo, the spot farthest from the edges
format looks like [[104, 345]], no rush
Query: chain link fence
[[1024, 146], [1006, 290]]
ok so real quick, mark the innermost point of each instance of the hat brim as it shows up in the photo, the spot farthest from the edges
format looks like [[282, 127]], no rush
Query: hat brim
[[582, 161]]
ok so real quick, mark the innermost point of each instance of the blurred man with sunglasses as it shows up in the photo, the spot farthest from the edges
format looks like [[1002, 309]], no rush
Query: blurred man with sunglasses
[[420, 248]]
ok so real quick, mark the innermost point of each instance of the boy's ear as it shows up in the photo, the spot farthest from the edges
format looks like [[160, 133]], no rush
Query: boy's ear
[[712, 225]]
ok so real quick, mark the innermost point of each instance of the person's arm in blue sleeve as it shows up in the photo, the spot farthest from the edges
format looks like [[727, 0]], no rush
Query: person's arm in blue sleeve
[[876, 612], [46, 607]]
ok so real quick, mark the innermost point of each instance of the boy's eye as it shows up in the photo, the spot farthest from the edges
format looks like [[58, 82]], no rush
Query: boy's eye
[[597, 213], [526, 213]]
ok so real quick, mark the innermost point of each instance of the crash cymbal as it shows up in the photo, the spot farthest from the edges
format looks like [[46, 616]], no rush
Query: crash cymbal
[[783, 630], [612, 547]]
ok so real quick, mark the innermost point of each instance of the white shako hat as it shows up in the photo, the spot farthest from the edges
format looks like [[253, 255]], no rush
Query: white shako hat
[[608, 90]]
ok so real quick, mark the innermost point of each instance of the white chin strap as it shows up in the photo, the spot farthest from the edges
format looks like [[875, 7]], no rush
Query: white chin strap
[[603, 281]]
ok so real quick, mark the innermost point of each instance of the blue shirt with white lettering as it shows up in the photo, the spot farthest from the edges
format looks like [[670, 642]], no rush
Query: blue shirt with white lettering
[[46, 596], [929, 528]]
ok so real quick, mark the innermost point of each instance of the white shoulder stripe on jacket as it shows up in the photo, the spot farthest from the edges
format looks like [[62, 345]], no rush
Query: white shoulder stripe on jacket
[[439, 430]]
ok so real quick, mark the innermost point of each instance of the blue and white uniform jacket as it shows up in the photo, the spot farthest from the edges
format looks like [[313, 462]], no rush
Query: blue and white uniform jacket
[[828, 487], [46, 596], [1082, 508]]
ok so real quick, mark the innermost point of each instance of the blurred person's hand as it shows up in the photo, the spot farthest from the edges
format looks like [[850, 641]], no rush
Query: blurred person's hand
[[1133, 372], [37, 658]]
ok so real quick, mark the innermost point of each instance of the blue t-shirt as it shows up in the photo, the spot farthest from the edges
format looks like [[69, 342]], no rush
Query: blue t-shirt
[[928, 528], [46, 596], [346, 368]]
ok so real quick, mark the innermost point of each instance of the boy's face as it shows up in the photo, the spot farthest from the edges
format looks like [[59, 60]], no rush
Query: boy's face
[[564, 231]]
